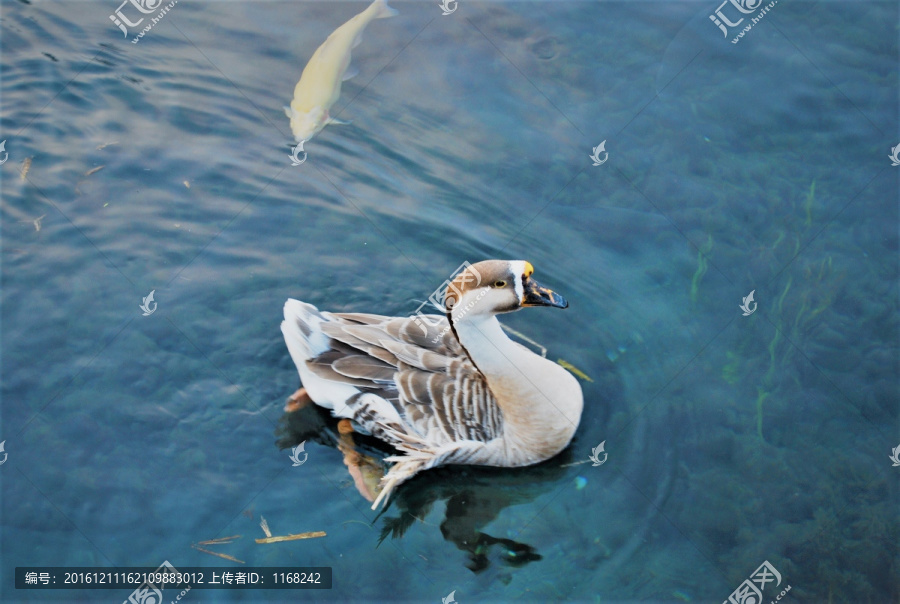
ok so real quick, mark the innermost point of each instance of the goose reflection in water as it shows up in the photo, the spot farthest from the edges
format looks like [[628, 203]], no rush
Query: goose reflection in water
[[474, 496]]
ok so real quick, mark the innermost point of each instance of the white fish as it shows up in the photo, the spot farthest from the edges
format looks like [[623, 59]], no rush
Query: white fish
[[320, 84]]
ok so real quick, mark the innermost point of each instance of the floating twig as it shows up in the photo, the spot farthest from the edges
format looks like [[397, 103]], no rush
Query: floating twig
[[219, 541], [567, 365], [574, 463], [311, 535], [211, 553]]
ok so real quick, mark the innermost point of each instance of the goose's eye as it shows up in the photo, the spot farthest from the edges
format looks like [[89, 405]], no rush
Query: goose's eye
[[499, 284]]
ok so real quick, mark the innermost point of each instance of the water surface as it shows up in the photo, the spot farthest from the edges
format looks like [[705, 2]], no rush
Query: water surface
[[164, 165]]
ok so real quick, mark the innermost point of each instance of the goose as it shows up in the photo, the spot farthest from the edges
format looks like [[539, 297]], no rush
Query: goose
[[441, 390]]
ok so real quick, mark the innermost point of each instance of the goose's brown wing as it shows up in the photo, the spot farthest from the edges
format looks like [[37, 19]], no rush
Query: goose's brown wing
[[415, 363]]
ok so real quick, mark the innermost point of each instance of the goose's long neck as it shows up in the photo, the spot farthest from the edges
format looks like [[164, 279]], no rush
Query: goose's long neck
[[541, 401]]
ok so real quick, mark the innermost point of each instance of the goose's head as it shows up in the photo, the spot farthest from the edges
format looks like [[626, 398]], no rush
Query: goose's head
[[491, 287]]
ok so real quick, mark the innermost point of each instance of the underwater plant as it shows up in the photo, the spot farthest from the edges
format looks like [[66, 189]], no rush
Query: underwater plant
[[701, 267]]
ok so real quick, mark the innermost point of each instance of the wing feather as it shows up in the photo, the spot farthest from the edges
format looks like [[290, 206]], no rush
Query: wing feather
[[323, 367], [418, 368], [365, 368], [359, 317], [337, 331]]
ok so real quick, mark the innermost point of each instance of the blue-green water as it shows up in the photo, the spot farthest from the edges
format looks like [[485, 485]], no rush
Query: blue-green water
[[164, 165]]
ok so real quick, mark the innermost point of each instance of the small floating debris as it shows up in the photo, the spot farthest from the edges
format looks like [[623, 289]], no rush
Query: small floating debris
[[567, 365], [212, 553], [187, 184], [575, 463], [264, 526], [105, 145], [37, 222], [279, 539], [270, 539], [94, 170], [219, 541], [368, 526], [26, 166], [580, 482]]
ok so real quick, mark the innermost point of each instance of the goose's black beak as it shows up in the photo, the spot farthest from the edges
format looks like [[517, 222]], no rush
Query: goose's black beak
[[537, 295]]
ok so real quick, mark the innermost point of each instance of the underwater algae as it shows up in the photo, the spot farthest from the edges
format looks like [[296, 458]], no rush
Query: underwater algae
[[702, 266], [807, 204]]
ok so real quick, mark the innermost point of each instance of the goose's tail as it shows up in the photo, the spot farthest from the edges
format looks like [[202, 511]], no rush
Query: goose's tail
[[418, 455], [404, 469], [302, 334]]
